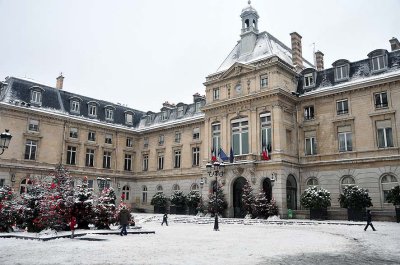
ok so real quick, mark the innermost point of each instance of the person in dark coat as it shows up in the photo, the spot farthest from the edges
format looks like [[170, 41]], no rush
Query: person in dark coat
[[369, 221], [165, 219], [124, 219]]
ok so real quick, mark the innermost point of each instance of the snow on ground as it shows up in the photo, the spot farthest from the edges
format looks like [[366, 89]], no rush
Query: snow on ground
[[192, 243]]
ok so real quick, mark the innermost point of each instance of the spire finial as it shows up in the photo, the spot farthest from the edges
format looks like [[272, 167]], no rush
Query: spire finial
[[249, 2]]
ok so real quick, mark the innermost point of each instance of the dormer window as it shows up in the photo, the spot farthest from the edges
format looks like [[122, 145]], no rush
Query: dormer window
[[342, 72], [309, 80], [36, 95], [180, 111], [75, 106], [128, 118], [379, 63], [164, 115], [92, 110], [109, 114], [197, 106]]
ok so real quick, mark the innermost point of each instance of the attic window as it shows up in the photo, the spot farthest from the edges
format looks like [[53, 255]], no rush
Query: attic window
[[109, 114], [75, 106], [164, 115], [379, 62], [309, 80], [129, 118], [198, 106], [180, 111], [342, 72], [36, 96], [92, 110]]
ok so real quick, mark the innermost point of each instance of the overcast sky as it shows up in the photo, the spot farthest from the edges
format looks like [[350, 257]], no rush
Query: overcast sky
[[142, 53]]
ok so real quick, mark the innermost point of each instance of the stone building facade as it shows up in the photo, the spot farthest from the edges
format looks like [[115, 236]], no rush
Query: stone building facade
[[327, 127]]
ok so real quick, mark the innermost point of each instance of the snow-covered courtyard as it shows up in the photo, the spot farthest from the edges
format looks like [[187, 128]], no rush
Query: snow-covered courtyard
[[189, 240]]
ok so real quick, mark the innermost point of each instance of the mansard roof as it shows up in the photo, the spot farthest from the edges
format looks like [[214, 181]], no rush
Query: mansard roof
[[18, 92], [359, 72], [266, 46]]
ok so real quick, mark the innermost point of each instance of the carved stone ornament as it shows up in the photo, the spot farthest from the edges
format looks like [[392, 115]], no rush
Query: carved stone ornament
[[238, 171]]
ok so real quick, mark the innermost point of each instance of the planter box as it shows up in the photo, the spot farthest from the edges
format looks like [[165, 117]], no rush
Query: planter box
[[356, 214], [318, 214]]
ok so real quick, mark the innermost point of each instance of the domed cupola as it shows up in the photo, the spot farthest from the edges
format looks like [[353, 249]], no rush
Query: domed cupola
[[249, 29]]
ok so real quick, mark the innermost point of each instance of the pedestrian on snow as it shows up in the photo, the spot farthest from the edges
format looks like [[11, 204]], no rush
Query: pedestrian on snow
[[369, 221], [124, 219], [72, 225], [165, 219]]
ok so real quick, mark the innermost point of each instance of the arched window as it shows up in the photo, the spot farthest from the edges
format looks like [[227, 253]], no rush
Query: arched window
[[387, 183], [159, 188], [144, 194], [194, 187], [176, 187], [125, 193], [347, 181], [25, 183], [312, 182]]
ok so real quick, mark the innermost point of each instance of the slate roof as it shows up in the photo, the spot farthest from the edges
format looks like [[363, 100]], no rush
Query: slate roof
[[18, 92], [266, 46], [360, 71]]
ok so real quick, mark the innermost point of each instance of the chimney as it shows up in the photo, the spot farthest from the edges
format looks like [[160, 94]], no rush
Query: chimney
[[297, 50], [319, 59], [394, 44], [60, 81]]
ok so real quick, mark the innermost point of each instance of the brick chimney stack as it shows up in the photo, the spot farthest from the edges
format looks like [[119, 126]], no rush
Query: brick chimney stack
[[297, 50], [394, 44], [60, 81], [319, 59]]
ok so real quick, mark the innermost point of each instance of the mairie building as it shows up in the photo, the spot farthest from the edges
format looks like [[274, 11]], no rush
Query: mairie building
[[329, 127]]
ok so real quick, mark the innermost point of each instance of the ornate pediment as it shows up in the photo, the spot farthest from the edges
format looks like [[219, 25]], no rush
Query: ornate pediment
[[237, 69]]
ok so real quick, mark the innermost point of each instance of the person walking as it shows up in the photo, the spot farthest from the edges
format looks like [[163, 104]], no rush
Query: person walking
[[72, 225], [165, 219], [124, 218], [369, 221]]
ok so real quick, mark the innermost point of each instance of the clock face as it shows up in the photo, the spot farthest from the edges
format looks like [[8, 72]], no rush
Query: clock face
[[238, 89]]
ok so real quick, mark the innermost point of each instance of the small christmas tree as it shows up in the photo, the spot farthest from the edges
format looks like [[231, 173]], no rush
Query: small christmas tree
[[105, 209], [261, 206], [217, 202], [248, 198], [178, 198], [193, 199], [83, 205]]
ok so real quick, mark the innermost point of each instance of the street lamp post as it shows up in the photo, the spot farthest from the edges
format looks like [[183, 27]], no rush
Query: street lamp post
[[5, 139], [102, 183], [216, 169]]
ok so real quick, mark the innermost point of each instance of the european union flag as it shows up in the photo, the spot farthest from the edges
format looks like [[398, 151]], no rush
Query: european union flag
[[222, 155]]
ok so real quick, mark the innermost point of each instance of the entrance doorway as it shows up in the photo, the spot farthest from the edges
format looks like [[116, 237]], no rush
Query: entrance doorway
[[267, 188], [291, 192], [238, 209]]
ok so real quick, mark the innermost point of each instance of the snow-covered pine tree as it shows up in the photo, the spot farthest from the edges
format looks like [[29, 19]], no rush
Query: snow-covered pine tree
[[7, 208], [261, 206], [217, 202], [83, 205], [105, 209], [248, 198]]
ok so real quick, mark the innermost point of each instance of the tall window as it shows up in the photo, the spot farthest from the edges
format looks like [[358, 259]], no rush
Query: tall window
[[177, 158], [265, 120], [381, 100], [36, 97], [125, 193], [160, 161], [342, 107], [129, 142], [92, 110], [128, 162], [240, 136], [75, 106], [196, 156], [144, 194], [309, 80], [25, 184], [384, 132], [108, 138], [89, 158], [216, 93], [196, 133], [107, 159], [71, 155], [161, 139], [30, 149], [379, 63], [178, 137], [342, 72], [387, 183], [345, 139], [109, 114], [347, 181], [91, 136], [33, 125], [263, 81], [216, 136], [309, 113], [310, 143], [145, 162], [73, 132]]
